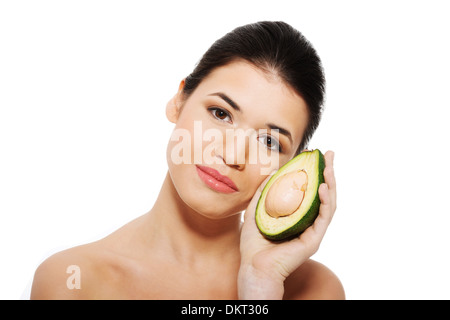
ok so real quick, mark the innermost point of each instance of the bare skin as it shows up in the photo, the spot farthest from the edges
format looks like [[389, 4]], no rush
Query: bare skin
[[192, 243]]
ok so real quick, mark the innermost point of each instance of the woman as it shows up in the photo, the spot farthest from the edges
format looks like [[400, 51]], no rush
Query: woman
[[265, 80]]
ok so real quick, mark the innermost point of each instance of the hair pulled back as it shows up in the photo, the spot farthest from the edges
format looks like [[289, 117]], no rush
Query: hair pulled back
[[275, 47]]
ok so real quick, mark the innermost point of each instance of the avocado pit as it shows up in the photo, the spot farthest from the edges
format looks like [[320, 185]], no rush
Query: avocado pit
[[286, 194]]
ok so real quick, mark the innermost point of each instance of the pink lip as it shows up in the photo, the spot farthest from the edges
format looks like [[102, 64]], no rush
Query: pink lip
[[215, 180]]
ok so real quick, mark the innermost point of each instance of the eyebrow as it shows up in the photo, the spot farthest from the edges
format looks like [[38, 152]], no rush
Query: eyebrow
[[280, 130], [227, 99]]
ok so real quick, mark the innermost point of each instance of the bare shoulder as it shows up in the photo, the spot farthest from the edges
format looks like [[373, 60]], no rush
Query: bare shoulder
[[51, 277], [96, 270], [313, 281], [68, 274]]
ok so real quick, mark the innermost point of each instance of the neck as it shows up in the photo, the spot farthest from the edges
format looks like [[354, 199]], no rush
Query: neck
[[188, 234]]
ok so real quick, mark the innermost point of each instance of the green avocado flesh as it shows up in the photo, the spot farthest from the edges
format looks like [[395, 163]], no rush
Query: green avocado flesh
[[281, 228]]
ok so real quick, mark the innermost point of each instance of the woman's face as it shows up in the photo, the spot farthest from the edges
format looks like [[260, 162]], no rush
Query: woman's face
[[238, 125]]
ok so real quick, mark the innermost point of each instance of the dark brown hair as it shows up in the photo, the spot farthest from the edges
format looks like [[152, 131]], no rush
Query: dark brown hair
[[273, 47]]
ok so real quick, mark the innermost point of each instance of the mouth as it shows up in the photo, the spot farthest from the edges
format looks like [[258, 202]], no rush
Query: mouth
[[216, 181]]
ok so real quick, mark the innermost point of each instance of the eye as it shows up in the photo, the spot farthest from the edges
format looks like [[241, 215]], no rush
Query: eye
[[220, 114], [270, 142]]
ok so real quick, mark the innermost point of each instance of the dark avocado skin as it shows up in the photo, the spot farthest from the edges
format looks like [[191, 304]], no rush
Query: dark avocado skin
[[308, 219]]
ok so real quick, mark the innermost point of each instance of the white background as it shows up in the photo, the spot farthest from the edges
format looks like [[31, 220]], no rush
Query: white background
[[83, 133]]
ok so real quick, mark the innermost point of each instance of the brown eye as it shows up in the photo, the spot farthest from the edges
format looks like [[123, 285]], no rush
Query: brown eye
[[270, 143], [220, 114]]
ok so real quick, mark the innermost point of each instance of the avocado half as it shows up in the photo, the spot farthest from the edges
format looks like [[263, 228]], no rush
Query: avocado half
[[285, 227]]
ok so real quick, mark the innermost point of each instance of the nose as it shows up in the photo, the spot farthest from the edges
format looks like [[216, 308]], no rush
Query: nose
[[235, 149]]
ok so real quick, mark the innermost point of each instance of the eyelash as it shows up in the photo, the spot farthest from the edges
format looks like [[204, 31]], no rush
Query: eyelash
[[278, 145], [214, 110]]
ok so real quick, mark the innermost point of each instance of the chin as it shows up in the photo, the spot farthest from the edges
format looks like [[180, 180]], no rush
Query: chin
[[197, 196], [209, 203]]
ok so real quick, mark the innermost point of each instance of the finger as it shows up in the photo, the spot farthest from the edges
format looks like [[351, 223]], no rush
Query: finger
[[329, 176], [329, 169], [327, 205], [309, 241], [320, 225], [329, 158]]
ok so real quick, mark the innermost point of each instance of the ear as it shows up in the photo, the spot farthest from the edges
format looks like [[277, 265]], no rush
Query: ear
[[173, 107]]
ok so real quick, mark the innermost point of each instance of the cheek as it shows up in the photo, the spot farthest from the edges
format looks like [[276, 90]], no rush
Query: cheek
[[181, 142], [192, 138], [253, 179], [263, 161], [179, 148]]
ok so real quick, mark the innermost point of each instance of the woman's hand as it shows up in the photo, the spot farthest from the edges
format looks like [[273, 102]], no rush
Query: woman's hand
[[265, 264]]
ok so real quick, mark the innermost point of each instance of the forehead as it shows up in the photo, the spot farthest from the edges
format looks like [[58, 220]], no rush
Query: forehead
[[261, 95]]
